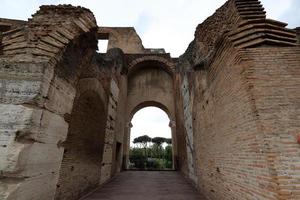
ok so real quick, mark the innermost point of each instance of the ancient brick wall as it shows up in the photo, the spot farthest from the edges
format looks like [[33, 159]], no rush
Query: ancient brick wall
[[227, 139], [187, 104], [124, 38], [146, 86], [151, 83], [209, 32], [234, 157], [107, 161], [245, 135], [38, 87], [233, 102], [274, 76], [181, 159], [120, 126], [83, 148], [298, 34]]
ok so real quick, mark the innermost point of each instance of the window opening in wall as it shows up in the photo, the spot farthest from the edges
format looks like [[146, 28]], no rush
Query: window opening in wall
[[150, 140], [102, 45]]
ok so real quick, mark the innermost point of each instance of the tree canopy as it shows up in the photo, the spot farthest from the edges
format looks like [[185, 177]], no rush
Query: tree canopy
[[155, 156], [142, 139], [168, 141], [158, 140]]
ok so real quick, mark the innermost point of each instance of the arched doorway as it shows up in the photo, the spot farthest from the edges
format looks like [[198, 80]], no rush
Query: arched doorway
[[83, 148], [150, 83], [150, 140]]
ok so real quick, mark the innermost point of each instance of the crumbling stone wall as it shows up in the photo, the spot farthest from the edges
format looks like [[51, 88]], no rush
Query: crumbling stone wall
[[233, 102], [83, 148], [298, 33], [188, 128], [236, 102], [124, 38], [239, 153], [36, 96], [127, 39], [107, 162]]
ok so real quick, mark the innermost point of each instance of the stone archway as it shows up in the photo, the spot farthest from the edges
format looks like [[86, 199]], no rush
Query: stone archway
[[150, 80], [172, 125], [83, 148], [150, 83]]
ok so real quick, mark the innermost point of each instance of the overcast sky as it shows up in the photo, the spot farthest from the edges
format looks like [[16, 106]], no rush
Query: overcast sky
[[150, 121], [168, 24], [160, 23]]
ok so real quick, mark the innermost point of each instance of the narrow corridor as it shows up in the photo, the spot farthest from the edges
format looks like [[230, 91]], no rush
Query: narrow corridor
[[147, 185]]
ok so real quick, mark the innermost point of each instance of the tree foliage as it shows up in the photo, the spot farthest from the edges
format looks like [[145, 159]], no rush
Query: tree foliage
[[158, 140], [153, 157], [142, 139], [168, 141]]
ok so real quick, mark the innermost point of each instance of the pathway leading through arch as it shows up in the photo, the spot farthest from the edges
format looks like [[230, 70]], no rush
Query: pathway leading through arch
[[147, 185]]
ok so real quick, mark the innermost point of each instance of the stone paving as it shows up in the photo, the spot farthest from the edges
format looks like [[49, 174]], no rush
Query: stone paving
[[147, 185]]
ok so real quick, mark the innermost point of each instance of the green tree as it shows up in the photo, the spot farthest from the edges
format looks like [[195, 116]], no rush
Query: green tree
[[143, 140], [158, 141], [160, 158], [137, 158], [168, 156], [168, 141]]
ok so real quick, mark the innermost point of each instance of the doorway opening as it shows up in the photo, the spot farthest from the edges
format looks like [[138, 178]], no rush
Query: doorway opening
[[150, 140]]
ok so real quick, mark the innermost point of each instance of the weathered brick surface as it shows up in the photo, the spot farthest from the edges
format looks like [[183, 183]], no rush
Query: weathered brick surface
[[107, 161], [35, 98], [274, 76], [232, 100], [228, 141], [243, 114], [83, 148]]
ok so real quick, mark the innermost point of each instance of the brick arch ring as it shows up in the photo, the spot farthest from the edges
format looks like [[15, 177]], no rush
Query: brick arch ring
[[163, 63]]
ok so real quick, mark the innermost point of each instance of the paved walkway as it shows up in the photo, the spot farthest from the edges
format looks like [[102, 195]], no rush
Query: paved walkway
[[147, 185]]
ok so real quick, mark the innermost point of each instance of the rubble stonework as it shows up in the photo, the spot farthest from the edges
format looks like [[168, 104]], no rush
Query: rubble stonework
[[233, 100]]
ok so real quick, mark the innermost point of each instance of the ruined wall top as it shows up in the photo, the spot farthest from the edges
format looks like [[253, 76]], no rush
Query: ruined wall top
[[243, 24], [127, 39], [7, 24], [52, 16], [298, 33], [48, 33], [61, 10]]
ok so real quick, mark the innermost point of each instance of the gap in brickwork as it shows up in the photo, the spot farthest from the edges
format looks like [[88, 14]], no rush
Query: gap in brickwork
[[102, 45]]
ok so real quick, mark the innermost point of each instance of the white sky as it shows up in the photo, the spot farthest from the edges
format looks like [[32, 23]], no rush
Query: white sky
[[168, 24], [151, 121]]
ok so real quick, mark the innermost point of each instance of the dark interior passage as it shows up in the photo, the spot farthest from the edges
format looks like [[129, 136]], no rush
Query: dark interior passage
[[83, 149]]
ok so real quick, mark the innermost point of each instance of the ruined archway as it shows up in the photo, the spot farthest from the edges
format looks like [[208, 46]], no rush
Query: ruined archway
[[161, 110], [83, 149], [151, 83], [234, 94]]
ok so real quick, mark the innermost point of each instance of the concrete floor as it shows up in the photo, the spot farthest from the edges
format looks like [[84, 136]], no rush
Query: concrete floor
[[147, 185]]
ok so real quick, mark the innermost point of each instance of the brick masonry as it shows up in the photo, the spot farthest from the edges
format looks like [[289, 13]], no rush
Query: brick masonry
[[232, 99]]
